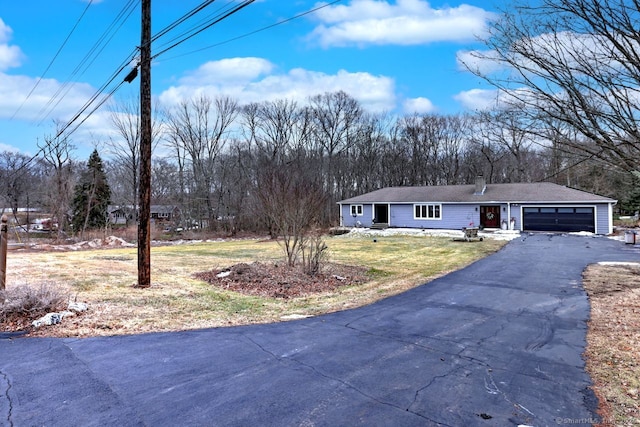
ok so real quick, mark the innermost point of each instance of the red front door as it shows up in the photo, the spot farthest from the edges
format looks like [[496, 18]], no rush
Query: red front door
[[490, 216]]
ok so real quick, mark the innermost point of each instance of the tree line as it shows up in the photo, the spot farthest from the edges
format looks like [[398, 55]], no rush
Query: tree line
[[231, 167], [566, 72]]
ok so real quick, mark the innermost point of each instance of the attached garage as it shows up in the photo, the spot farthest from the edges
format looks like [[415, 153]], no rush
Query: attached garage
[[558, 218], [541, 206]]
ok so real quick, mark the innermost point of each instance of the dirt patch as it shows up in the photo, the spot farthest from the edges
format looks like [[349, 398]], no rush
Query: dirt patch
[[282, 281], [613, 341]]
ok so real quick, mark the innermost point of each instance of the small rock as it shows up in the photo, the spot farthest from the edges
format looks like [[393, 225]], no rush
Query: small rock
[[223, 274], [78, 307], [47, 320]]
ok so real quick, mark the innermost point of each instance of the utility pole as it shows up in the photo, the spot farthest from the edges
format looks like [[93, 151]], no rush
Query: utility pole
[[144, 206]]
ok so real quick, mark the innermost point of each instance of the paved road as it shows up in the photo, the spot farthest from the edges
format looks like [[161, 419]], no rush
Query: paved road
[[496, 344]]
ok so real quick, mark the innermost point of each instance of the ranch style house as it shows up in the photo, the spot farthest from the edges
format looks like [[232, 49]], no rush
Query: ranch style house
[[540, 206]]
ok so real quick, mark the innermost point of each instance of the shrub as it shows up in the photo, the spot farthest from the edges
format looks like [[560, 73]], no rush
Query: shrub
[[26, 303], [314, 254]]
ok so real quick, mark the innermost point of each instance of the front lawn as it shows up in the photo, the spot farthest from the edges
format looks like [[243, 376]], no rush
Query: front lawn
[[103, 278]]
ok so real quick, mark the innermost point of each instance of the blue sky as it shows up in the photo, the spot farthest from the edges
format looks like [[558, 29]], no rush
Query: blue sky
[[399, 56]]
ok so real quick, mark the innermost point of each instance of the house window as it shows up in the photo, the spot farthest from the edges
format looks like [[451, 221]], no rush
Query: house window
[[427, 211], [356, 210]]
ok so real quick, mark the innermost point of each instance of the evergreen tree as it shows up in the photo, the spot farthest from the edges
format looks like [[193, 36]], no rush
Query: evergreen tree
[[91, 196]]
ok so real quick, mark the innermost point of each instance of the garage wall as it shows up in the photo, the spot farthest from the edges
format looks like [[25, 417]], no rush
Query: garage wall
[[604, 218], [602, 214]]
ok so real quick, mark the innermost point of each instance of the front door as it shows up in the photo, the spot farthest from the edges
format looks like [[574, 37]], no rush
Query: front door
[[381, 213], [490, 216]]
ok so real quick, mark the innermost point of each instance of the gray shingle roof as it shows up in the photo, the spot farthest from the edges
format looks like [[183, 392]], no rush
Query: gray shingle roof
[[544, 192]]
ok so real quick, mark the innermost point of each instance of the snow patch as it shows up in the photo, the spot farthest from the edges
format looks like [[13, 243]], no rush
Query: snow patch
[[367, 232], [294, 316]]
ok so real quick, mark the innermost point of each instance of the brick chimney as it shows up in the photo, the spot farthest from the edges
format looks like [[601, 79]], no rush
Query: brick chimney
[[481, 186]]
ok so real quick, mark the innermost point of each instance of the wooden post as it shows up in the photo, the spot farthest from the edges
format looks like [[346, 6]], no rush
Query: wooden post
[[144, 214], [3, 252]]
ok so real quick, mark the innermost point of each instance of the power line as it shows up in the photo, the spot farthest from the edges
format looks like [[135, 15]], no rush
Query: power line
[[64, 43], [203, 27], [182, 19], [121, 18], [129, 78], [300, 15], [88, 59], [131, 75]]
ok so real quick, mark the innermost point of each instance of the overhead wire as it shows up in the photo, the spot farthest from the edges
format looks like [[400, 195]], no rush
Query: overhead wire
[[176, 41], [88, 60], [198, 24], [64, 43], [122, 16], [182, 19], [251, 33], [122, 66], [197, 30], [130, 76]]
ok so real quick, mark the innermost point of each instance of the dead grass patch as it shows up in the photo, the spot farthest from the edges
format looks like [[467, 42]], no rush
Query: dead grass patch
[[21, 305], [177, 300], [613, 341]]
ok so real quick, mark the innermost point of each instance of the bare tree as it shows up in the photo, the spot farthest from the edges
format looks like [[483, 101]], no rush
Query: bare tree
[[292, 202], [510, 132], [365, 164], [336, 116], [18, 181], [575, 62], [199, 128], [434, 145], [276, 129], [125, 151], [56, 153]]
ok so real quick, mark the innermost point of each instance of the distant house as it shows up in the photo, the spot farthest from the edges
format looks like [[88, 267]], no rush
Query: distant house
[[526, 207], [165, 213], [119, 215], [159, 214]]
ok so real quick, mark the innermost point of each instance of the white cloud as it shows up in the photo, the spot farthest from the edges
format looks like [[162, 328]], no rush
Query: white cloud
[[477, 99], [407, 22], [7, 147], [482, 62], [259, 81], [14, 91], [10, 56], [418, 105], [229, 70]]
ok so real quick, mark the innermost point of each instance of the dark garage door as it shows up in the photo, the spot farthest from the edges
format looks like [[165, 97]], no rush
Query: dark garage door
[[558, 219]]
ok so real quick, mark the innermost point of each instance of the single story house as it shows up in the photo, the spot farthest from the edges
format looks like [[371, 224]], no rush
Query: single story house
[[540, 206], [159, 213]]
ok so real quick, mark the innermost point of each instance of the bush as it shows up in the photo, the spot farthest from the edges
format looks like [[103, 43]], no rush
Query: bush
[[314, 254], [25, 303]]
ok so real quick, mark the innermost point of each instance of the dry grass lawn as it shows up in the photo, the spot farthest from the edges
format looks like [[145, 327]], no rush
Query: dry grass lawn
[[613, 341], [103, 279]]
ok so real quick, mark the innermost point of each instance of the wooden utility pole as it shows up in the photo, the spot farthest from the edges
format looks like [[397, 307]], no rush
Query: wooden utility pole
[[3, 252], [144, 214]]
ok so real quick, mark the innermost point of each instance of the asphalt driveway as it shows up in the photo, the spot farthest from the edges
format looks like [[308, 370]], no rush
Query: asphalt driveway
[[496, 344]]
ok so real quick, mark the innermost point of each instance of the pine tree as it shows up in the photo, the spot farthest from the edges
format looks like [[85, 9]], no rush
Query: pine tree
[[91, 196]]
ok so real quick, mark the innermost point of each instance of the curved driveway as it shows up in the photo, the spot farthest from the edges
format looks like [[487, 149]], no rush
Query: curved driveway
[[498, 343]]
